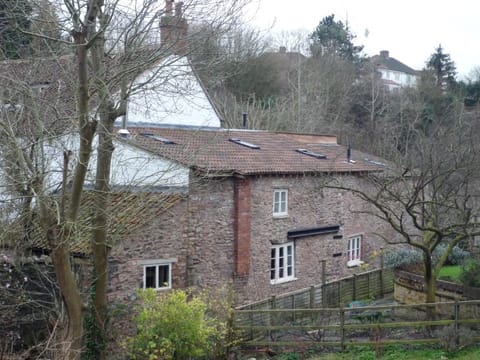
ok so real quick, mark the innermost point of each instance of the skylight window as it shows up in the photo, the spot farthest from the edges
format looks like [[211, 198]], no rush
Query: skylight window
[[375, 162], [311, 153], [244, 143], [158, 138]]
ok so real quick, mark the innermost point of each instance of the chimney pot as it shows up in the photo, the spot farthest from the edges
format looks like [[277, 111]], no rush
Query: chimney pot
[[178, 9], [384, 54], [244, 120], [168, 7], [282, 50]]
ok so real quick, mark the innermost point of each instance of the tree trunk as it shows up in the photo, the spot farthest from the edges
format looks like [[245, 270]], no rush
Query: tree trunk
[[72, 339], [99, 246], [430, 284]]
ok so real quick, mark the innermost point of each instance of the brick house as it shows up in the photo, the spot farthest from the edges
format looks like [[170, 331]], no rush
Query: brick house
[[253, 215]]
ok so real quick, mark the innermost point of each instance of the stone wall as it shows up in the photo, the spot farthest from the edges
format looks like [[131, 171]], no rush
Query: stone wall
[[409, 289], [202, 233]]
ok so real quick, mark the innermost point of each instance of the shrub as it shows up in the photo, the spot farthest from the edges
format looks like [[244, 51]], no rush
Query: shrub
[[402, 258], [456, 257], [470, 275], [170, 326]]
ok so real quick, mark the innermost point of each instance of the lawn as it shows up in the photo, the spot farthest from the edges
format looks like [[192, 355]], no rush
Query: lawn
[[450, 273], [402, 353]]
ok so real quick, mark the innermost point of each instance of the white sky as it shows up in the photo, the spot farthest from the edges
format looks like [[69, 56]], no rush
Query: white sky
[[410, 30]]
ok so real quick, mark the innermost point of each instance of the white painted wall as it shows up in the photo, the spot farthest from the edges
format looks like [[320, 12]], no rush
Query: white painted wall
[[170, 94], [131, 167]]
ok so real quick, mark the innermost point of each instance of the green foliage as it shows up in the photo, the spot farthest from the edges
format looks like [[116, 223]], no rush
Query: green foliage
[[173, 325], [450, 273], [288, 356], [333, 38], [402, 258], [471, 273], [397, 352], [406, 257], [443, 69], [94, 344], [14, 20], [456, 257]]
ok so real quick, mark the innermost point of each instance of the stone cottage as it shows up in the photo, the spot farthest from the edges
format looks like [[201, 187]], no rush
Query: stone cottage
[[253, 214]]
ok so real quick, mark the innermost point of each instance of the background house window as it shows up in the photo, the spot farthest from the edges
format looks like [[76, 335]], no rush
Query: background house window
[[280, 202], [157, 276], [354, 251], [282, 263]]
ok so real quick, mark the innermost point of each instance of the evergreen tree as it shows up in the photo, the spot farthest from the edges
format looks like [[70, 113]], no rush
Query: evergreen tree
[[46, 24], [443, 69], [14, 21], [333, 38]]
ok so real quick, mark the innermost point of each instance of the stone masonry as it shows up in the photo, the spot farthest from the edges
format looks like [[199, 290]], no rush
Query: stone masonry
[[222, 233]]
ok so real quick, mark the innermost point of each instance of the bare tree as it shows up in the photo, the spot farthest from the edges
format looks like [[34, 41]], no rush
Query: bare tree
[[113, 43], [429, 193]]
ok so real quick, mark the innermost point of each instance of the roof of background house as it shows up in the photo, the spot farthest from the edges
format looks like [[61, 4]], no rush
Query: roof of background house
[[127, 212], [213, 151], [384, 60], [48, 82]]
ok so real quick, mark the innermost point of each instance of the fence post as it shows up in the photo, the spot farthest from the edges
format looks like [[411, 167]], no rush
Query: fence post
[[271, 317], [324, 280], [342, 328], [354, 288], [312, 297], [456, 311], [382, 290], [324, 272]]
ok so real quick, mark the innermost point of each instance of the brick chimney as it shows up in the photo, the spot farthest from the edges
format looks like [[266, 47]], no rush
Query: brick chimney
[[384, 54], [174, 28], [242, 226]]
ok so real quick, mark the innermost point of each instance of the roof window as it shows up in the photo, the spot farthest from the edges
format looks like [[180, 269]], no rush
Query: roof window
[[374, 162], [158, 138], [311, 153], [244, 143]]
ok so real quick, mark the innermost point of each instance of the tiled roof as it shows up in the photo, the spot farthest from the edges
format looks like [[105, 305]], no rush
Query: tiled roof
[[212, 151], [393, 64], [128, 212], [50, 83]]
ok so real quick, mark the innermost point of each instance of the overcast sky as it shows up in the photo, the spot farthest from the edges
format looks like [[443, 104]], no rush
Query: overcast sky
[[410, 30]]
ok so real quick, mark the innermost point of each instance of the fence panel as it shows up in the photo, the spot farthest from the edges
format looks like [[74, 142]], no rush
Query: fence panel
[[369, 285], [458, 323]]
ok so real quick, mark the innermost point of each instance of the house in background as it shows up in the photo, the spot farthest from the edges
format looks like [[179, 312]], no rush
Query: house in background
[[394, 73]]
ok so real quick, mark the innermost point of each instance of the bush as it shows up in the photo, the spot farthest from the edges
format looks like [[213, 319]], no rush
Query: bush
[[171, 326], [470, 275], [456, 257], [402, 258]]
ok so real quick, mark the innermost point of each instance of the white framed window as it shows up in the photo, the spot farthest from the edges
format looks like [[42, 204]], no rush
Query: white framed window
[[157, 274], [280, 202], [354, 251], [282, 263]]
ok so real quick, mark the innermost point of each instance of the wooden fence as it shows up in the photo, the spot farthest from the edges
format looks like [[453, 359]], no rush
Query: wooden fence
[[367, 285], [456, 323]]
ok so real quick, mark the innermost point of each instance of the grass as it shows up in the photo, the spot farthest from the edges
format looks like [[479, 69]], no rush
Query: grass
[[450, 273], [403, 353]]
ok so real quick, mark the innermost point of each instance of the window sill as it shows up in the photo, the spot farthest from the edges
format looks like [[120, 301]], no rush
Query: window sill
[[354, 263], [280, 216], [282, 281], [160, 288]]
